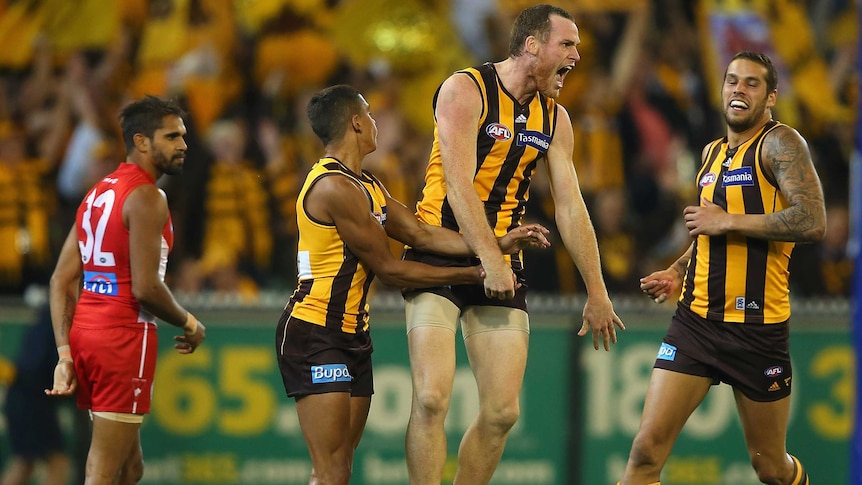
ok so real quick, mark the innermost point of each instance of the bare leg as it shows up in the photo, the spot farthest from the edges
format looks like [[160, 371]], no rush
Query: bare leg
[[670, 400], [111, 449], [359, 407], [498, 359], [764, 425], [326, 424], [18, 471], [432, 366], [133, 468], [58, 467]]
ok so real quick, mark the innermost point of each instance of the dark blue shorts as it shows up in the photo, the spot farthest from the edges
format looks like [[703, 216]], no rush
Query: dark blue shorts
[[752, 357], [31, 419]]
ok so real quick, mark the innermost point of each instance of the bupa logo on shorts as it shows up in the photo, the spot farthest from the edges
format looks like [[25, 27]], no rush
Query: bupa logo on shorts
[[535, 139], [321, 374], [101, 283], [773, 371], [742, 176], [666, 352], [498, 131], [708, 179]]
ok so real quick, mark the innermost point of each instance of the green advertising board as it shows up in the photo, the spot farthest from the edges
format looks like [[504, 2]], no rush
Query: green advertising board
[[710, 449], [220, 415]]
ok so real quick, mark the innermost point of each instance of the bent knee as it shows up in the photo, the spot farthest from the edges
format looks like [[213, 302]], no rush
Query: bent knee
[[501, 418], [647, 452], [770, 470], [133, 472]]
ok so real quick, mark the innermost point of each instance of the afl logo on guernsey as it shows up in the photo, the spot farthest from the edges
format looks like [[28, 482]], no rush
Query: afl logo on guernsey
[[708, 179], [498, 131]]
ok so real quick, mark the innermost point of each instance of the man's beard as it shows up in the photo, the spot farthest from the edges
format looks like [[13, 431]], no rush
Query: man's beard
[[167, 166], [739, 125]]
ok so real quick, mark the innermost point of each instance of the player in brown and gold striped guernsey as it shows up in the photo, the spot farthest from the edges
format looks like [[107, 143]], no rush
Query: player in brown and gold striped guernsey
[[759, 194], [496, 124], [345, 218]]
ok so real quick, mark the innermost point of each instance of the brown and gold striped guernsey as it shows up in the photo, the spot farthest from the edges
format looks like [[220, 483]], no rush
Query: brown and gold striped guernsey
[[511, 139], [333, 283], [734, 278]]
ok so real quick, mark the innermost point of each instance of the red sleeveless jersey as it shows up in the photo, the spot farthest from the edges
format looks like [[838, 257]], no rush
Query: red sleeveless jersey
[[103, 239]]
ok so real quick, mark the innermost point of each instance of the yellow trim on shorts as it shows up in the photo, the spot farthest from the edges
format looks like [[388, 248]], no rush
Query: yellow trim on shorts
[[118, 417]]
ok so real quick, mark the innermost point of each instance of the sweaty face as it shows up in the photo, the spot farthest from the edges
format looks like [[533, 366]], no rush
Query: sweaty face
[[169, 147], [557, 56], [744, 95]]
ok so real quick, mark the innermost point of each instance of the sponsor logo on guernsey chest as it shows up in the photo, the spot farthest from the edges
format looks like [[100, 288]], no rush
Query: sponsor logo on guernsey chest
[[380, 216], [742, 176], [101, 283], [535, 139]]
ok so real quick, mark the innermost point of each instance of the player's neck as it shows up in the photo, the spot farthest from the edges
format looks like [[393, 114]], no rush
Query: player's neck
[[514, 76], [737, 138], [352, 161], [151, 169]]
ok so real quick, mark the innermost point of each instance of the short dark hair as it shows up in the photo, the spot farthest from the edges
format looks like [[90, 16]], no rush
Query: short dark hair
[[330, 110], [145, 116], [535, 21], [763, 60]]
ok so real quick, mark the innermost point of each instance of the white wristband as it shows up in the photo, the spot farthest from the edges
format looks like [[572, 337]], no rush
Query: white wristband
[[191, 325], [64, 352]]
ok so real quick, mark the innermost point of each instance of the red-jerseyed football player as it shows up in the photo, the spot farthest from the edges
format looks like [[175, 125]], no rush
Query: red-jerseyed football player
[[108, 288]]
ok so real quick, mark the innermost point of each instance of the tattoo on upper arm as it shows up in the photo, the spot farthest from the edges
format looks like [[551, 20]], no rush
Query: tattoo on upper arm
[[797, 180]]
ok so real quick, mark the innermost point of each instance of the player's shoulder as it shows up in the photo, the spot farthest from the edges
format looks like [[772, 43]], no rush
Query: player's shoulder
[[784, 139]]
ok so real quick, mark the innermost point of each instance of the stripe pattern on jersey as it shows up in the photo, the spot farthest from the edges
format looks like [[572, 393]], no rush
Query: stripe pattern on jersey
[[734, 278], [511, 139], [333, 284]]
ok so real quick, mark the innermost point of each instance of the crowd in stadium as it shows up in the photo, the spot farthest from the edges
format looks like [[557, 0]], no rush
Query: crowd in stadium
[[643, 102]]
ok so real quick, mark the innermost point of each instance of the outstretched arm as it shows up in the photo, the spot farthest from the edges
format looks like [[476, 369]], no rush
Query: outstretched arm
[[404, 226], [661, 285], [576, 230], [334, 199]]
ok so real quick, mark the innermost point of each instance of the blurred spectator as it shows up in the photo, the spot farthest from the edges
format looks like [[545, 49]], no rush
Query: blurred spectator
[[32, 416], [837, 266], [642, 101], [482, 28], [237, 240], [26, 204], [187, 49], [617, 246], [825, 269]]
